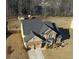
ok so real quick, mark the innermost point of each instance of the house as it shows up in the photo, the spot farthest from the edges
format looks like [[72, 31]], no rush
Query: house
[[37, 33]]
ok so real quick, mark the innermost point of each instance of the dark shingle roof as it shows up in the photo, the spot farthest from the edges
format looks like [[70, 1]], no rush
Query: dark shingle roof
[[34, 25]]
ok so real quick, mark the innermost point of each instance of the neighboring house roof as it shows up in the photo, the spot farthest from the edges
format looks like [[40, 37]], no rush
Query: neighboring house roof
[[34, 25]]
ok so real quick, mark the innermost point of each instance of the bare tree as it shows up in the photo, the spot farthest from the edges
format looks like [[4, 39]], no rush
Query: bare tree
[[48, 7]]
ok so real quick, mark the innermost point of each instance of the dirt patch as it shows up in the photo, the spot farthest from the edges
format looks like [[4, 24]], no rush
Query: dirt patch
[[15, 48], [60, 53]]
